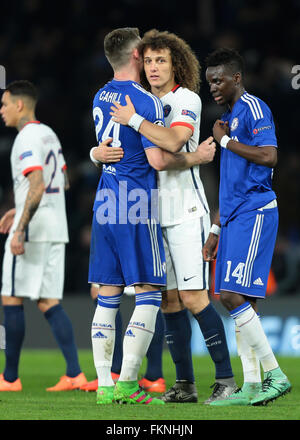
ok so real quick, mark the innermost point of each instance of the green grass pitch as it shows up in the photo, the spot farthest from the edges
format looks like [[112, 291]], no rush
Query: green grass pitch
[[42, 368]]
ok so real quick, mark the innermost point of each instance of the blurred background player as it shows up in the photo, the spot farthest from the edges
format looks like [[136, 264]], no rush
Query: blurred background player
[[172, 72], [153, 380], [131, 240], [247, 222], [34, 259]]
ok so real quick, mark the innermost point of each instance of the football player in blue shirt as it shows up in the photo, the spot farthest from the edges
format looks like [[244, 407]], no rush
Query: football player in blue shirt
[[126, 243], [245, 230]]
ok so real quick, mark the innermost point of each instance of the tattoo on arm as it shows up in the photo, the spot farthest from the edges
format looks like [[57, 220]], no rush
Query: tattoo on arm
[[34, 195]]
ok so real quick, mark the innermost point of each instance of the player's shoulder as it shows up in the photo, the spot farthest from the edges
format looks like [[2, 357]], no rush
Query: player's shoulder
[[183, 99], [100, 90], [143, 94], [31, 130], [145, 102], [36, 135], [184, 92], [254, 106]]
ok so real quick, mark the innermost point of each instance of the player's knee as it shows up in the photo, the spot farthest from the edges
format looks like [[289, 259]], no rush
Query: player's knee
[[231, 300], [11, 301], [170, 302], [94, 290], [194, 300], [46, 304]]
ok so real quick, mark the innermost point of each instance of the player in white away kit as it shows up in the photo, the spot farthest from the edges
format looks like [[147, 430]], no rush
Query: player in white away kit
[[34, 259], [172, 71]]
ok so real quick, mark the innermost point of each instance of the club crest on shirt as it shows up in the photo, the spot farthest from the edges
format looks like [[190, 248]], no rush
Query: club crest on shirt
[[234, 124], [167, 109]]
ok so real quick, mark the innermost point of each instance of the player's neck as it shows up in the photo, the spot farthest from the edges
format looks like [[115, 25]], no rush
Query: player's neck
[[24, 119], [163, 90], [128, 74], [236, 97]]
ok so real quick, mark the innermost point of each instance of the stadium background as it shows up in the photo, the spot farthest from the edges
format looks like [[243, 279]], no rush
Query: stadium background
[[59, 46]]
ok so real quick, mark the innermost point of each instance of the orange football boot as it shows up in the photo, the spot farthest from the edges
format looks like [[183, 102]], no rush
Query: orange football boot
[[115, 376], [10, 386], [90, 386], [93, 385], [67, 383], [155, 386]]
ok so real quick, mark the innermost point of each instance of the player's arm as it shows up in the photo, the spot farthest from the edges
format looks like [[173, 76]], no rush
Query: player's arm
[[66, 179], [170, 139], [266, 155], [209, 250], [105, 154], [163, 160], [33, 198], [7, 221]]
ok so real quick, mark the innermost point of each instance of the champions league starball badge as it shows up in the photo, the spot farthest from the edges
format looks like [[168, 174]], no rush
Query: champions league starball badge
[[234, 124]]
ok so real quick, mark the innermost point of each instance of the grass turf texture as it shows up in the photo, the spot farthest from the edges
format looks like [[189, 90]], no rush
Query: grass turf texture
[[40, 369]]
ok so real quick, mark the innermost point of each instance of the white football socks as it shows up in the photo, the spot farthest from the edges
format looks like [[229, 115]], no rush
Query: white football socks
[[103, 337], [139, 334], [252, 332], [249, 360]]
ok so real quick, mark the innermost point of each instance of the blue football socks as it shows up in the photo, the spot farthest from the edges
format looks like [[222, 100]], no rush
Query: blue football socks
[[63, 332], [14, 323], [155, 350], [178, 337], [212, 328], [118, 351]]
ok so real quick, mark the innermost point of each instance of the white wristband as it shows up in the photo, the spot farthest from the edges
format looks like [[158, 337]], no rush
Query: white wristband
[[135, 121], [215, 229], [92, 157], [224, 141]]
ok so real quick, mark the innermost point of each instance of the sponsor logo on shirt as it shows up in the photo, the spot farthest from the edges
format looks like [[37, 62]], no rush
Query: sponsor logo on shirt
[[25, 154], [109, 169], [189, 113], [257, 130]]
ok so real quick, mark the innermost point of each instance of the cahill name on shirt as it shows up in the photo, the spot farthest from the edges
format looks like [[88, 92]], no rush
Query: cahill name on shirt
[[110, 96]]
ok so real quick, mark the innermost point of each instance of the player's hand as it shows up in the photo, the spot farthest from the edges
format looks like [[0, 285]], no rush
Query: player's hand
[[122, 113], [206, 150], [7, 221], [17, 243], [220, 128], [209, 250], [105, 154]]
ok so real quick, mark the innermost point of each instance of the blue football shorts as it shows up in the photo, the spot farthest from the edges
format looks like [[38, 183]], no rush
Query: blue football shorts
[[127, 254], [245, 252]]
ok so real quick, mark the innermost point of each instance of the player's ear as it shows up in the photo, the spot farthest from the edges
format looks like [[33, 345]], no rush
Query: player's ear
[[20, 105], [237, 78], [135, 53]]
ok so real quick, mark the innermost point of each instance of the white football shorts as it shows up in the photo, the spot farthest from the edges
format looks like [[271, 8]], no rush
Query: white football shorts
[[183, 244], [38, 273]]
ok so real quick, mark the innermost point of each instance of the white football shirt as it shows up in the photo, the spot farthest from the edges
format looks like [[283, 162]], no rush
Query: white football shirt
[[37, 147], [181, 192]]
